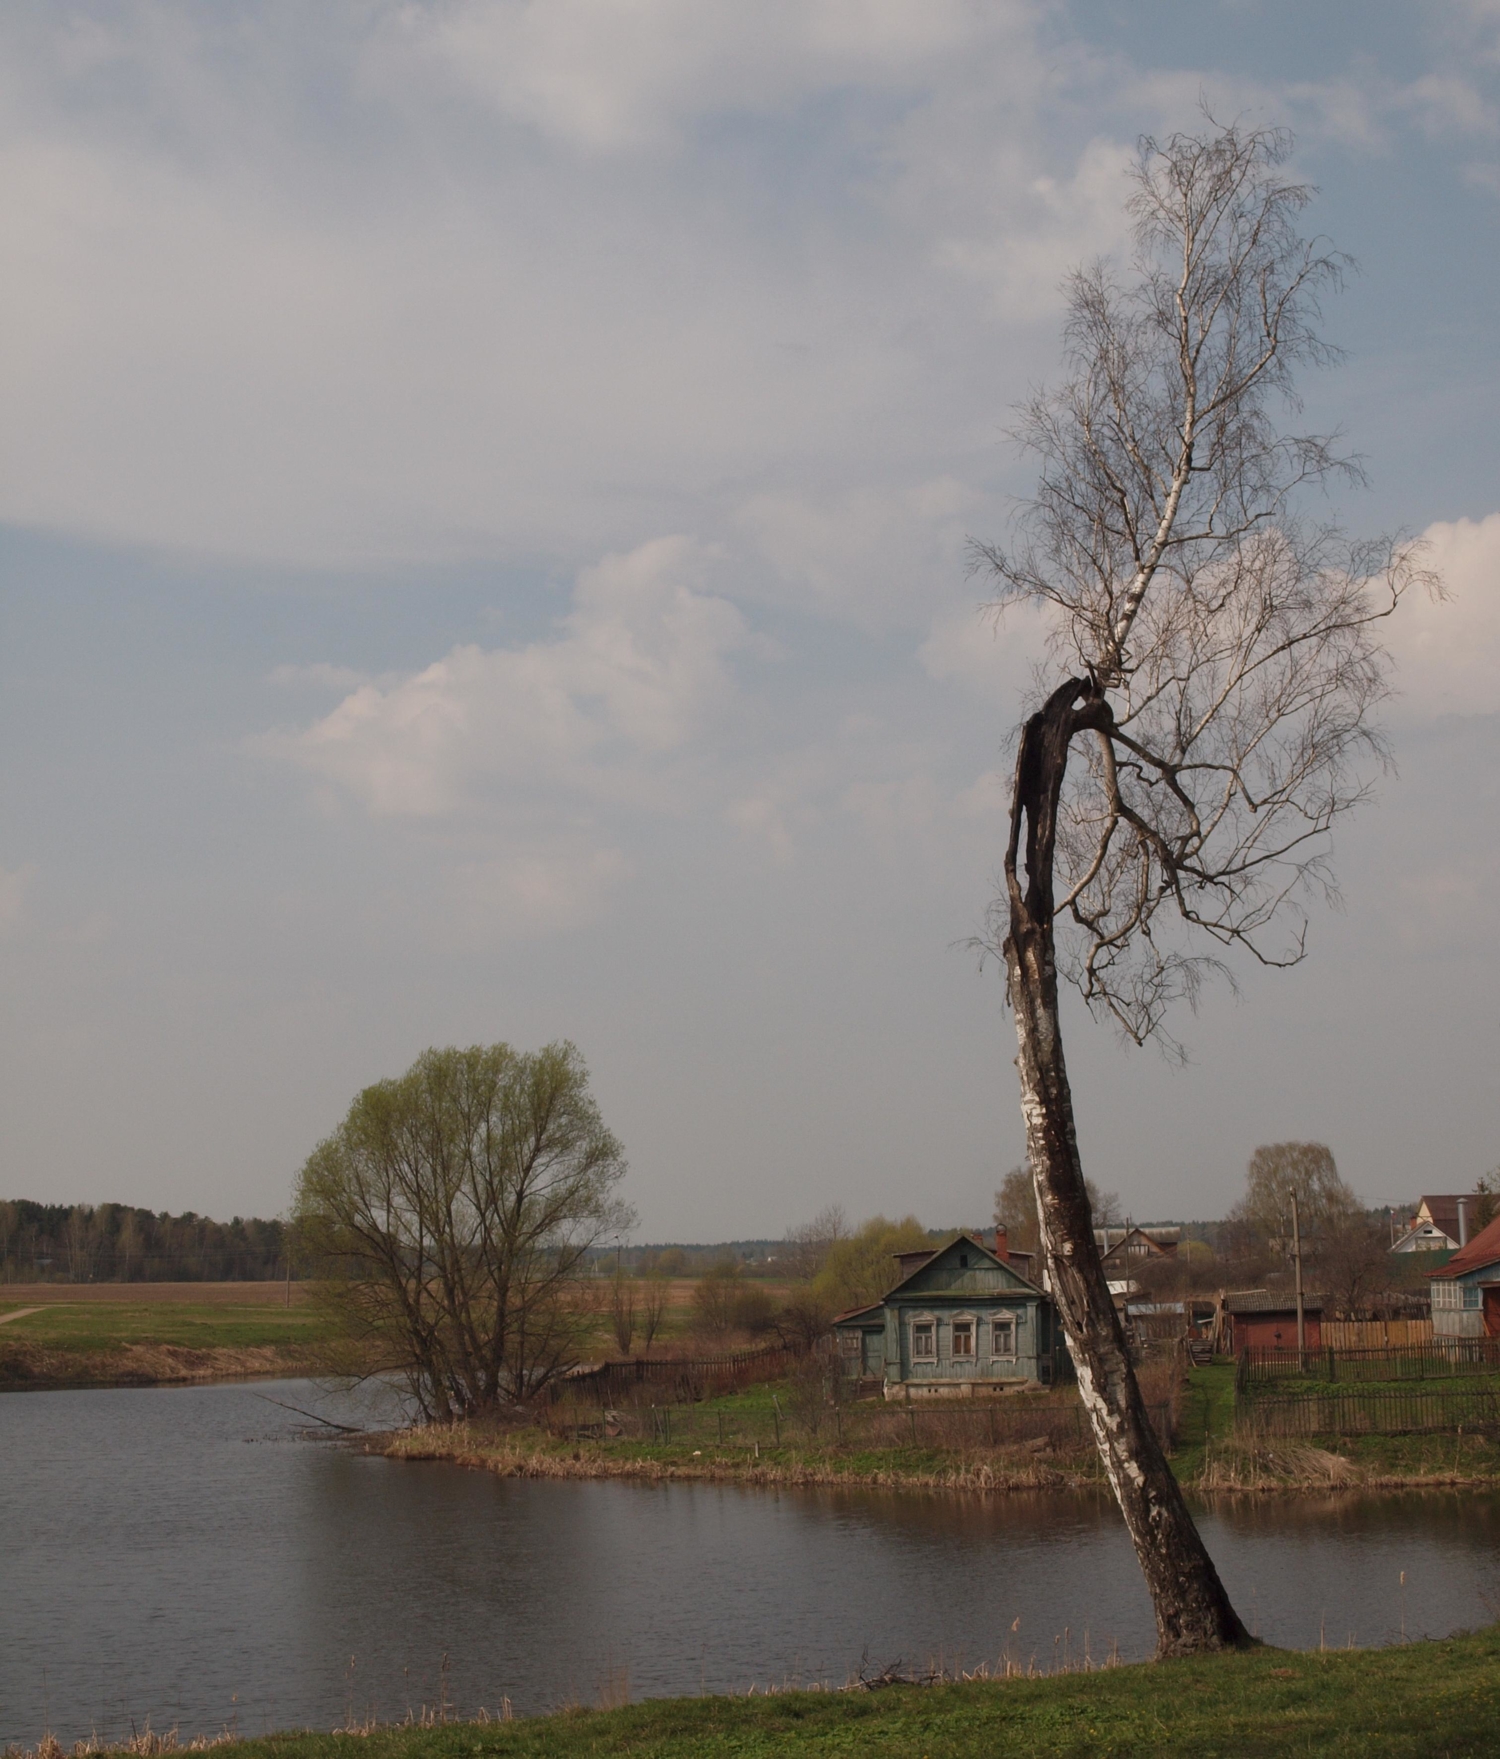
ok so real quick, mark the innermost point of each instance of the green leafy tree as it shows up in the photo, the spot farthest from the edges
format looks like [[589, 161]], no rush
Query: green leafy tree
[[860, 1269], [451, 1214]]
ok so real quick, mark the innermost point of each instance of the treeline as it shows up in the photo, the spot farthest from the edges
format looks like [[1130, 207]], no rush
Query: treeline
[[114, 1243]]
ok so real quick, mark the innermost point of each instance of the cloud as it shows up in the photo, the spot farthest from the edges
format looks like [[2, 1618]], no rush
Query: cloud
[[599, 713], [867, 554], [603, 77], [560, 271], [1448, 651]]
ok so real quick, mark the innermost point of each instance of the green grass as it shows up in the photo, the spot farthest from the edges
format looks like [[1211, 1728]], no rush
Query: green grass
[[101, 1326], [1415, 1702]]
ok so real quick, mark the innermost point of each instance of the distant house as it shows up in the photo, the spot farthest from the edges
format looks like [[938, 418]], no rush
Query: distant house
[[1266, 1319], [961, 1321], [1466, 1290], [1441, 1224], [1124, 1250]]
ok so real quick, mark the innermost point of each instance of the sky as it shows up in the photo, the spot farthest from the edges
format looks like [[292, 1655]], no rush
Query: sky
[[485, 488]]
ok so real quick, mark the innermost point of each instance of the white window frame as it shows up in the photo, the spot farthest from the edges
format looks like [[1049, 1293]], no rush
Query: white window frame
[[1004, 1322], [923, 1322], [1446, 1296], [972, 1322]]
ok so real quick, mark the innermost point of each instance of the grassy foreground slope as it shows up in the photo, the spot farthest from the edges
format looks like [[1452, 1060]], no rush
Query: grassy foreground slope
[[1426, 1699]]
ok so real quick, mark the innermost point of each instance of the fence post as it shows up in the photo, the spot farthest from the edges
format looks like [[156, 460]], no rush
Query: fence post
[[911, 1418], [776, 1416]]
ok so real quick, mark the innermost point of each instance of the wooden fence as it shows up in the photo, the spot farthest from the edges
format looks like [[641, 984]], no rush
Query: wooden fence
[[1354, 1410], [1375, 1334], [1440, 1359]]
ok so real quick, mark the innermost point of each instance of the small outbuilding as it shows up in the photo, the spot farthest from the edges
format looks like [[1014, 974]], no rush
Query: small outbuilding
[[1266, 1319], [1466, 1290], [961, 1321]]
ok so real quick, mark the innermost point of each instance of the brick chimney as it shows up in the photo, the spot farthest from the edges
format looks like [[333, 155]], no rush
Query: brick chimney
[[1002, 1245]]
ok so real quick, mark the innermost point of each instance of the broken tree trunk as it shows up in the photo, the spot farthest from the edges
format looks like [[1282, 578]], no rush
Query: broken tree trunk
[[1193, 1613]]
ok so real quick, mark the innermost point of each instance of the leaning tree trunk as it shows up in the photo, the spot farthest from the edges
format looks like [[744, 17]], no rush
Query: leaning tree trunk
[[1193, 1613]]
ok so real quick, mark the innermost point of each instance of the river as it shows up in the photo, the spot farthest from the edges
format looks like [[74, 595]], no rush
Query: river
[[191, 1557]]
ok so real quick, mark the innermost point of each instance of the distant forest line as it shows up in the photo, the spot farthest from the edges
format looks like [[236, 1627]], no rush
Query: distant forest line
[[116, 1243]]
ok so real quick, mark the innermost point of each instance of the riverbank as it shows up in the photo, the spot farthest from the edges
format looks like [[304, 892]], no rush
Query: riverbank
[[151, 1342], [1416, 1701], [710, 1444]]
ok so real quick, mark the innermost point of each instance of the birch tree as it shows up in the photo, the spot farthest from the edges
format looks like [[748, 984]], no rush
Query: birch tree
[[1205, 716]]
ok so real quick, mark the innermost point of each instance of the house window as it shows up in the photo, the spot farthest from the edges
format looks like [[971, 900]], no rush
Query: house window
[[849, 1342], [963, 1337], [922, 1339], [1003, 1337], [1471, 1294], [1445, 1295]]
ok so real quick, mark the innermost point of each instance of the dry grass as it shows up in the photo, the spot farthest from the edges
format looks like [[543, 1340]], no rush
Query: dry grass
[[147, 1745], [525, 1453]]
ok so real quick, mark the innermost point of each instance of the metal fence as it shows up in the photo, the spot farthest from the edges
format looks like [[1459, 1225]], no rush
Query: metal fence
[[1442, 1359], [1369, 1410]]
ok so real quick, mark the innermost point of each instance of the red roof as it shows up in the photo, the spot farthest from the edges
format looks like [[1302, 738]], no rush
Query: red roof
[[1483, 1249]]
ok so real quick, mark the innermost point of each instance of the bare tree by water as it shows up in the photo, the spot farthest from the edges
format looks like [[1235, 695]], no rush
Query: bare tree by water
[[1207, 719], [451, 1215]]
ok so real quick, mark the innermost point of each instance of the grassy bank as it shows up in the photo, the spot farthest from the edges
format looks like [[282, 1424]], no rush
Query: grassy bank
[[1415, 1702], [709, 1441], [144, 1342]]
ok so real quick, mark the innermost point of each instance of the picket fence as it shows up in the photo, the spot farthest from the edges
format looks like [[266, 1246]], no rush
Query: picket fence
[[1347, 1411]]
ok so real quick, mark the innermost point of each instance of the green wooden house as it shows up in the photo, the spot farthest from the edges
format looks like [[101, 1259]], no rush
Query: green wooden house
[[961, 1322]]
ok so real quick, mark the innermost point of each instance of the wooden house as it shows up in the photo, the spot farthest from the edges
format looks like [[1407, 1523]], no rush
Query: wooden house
[[961, 1322], [1124, 1250], [1466, 1290]]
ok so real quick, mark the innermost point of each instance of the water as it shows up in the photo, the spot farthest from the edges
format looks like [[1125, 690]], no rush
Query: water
[[189, 1556]]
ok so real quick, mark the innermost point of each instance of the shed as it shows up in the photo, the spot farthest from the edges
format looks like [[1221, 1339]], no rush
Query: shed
[[1266, 1319], [960, 1322]]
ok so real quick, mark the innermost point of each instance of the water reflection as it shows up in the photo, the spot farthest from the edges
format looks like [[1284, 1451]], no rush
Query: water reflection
[[181, 1554]]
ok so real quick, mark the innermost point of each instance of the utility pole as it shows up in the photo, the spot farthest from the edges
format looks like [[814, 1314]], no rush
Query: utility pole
[[1297, 1267]]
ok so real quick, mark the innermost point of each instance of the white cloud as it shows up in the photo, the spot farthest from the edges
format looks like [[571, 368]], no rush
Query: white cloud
[[866, 554], [1448, 651], [602, 76], [598, 713], [440, 330]]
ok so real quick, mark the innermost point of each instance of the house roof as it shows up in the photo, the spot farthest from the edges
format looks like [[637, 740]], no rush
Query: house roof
[[1443, 1212], [1271, 1301], [969, 1244], [1483, 1249], [1158, 1241], [857, 1313]]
